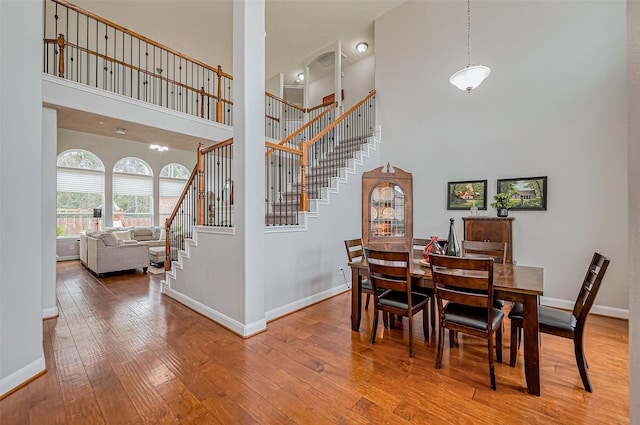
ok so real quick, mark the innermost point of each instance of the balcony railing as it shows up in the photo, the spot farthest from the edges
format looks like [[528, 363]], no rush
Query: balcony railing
[[83, 47]]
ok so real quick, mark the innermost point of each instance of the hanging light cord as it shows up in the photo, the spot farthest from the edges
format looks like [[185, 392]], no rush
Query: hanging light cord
[[469, 33]]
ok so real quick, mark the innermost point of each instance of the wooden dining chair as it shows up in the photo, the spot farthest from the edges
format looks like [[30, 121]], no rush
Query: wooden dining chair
[[355, 253], [467, 286], [481, 249], [390, 275], [419, 245], [564, 323]]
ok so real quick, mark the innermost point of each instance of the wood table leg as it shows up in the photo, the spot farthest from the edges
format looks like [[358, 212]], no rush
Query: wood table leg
[[531, 343], [356, 295]]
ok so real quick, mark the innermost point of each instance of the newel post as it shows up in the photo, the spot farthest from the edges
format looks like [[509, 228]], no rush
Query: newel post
[[61, 44], [200, 166], [219, 103], [304, 198]]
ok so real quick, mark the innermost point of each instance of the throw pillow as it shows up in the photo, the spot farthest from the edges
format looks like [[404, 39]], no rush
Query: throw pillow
[[123, 235], [108, 239]]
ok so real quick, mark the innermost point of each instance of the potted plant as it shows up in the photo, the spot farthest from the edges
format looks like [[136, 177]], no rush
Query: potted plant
[[502, 204]]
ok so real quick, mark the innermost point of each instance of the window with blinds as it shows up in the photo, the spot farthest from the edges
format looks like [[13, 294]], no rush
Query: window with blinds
[[173, 178], [132, 193], [80, 189]]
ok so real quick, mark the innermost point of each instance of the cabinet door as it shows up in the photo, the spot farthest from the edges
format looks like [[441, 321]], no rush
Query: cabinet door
[[497, 232], [475, 230]]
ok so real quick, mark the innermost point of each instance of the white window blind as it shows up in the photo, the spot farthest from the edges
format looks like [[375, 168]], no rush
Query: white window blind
[[132, 184], [171, 188], [80, 181]]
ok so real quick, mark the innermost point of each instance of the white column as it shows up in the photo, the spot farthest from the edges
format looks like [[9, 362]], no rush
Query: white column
[[21, 232], [337, 76], [49, 150], [248, 146]]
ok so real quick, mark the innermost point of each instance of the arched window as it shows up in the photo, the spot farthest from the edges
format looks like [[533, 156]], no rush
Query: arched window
[[80, 189], [132, 193], [173, 177]]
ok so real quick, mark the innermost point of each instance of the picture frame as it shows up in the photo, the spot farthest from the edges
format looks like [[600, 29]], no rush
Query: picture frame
[[528, 193], [462, 194]]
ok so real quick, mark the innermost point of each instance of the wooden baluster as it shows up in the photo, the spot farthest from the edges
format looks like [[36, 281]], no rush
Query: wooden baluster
[[219, 103], [61, 44], [202, 93], [200, 185], [304, 199]]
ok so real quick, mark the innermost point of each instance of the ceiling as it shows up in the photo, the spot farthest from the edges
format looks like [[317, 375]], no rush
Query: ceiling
[[295, 29]]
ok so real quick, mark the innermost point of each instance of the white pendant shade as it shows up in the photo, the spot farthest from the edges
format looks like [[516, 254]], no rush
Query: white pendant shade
[[470, 77]]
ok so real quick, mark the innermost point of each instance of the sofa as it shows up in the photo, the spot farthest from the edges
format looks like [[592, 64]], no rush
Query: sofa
[[150, 235], [105, 254]]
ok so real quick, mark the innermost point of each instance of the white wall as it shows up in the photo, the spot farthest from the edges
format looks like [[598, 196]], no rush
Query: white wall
[[357, 82], [110, 150], [21, 226], [49, 242], [554, 105], [633, 102]]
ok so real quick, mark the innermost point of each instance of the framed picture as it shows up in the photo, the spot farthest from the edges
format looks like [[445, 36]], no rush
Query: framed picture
[[462, 195], [527, 193]]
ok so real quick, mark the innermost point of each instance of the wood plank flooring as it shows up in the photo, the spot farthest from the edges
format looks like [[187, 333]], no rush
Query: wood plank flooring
[[121, 353]]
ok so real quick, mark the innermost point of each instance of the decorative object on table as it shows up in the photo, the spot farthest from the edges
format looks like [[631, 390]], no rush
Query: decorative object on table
[[502, 204], [453, 247], [525, 193], [463, 194], [474, 209], [434, 247], [471, 76]]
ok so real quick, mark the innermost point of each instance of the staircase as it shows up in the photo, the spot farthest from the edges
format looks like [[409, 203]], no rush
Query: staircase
[[321, 176]]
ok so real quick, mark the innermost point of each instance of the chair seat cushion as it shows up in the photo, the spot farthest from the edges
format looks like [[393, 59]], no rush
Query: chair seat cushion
[[473, 317], [549, 317], [366, 284], [397, 299]]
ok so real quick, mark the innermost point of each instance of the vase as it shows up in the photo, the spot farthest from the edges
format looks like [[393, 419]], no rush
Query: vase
[[453, 247], [434, 247], [474, 209], [503, 212]]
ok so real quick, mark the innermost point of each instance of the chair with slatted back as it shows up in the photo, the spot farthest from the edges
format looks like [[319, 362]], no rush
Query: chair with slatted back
[[480, 249], [467, 286], [390, 275], [564, 323], [355, 253]]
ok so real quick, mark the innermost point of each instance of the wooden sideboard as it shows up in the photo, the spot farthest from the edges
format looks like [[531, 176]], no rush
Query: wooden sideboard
[[490, 229]]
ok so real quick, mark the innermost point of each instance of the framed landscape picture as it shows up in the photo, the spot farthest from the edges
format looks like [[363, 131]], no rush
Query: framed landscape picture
[[462, 195], [528, 193]]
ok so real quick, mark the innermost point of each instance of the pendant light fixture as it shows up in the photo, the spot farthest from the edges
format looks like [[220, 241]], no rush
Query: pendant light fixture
[[469, 77]]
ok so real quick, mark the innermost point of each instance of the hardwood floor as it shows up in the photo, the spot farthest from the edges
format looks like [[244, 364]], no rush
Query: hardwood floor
[[121, 353]]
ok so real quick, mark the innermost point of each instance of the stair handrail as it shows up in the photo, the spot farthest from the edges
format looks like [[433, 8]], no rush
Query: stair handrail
[[339, 120], [304, 127]]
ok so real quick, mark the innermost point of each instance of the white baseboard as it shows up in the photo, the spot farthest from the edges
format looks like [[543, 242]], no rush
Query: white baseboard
[[50, 313], [21, 376], [602, 310], [305, 302], [222, 319], [68, 257]]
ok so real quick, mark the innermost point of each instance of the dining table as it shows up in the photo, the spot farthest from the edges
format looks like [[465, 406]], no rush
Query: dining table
[[515, 283]]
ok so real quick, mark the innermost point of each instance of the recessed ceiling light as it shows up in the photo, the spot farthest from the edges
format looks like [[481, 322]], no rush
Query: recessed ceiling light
[[119, 130], [362, 47]]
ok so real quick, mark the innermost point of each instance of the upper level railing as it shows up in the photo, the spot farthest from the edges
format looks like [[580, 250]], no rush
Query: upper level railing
[[83, 47], [86, 48]]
